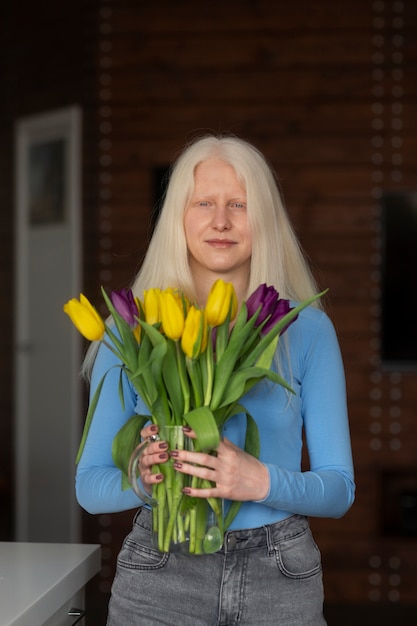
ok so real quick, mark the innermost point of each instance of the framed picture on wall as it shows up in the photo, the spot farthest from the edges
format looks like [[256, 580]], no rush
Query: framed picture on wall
[[47, 179], [45, 164]]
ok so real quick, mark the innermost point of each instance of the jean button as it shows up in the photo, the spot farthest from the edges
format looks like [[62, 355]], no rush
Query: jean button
[[231, 542]]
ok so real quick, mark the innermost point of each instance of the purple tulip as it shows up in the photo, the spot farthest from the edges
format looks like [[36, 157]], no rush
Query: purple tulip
[[263, 296], [282, 307], [273, 308], [124, 303]]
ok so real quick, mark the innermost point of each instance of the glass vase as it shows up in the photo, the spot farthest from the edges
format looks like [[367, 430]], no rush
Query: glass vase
[[180, 523]]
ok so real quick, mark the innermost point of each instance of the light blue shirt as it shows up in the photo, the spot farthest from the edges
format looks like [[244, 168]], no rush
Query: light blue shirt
[[311, 362]]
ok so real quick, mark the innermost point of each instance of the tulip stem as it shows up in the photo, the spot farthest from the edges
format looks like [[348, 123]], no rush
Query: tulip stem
[[209, 369], [195, 378], [182, 372]]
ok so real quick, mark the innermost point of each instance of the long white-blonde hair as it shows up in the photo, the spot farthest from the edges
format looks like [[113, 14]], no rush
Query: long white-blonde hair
[[277, 258]]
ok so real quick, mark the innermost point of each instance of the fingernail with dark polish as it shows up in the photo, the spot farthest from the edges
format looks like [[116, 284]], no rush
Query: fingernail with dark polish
[[163, 445], [186, 491], [174, 454], [163, 456], [177, 465]]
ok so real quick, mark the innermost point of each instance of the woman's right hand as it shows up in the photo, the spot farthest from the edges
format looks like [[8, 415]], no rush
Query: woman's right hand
[[156, 452]]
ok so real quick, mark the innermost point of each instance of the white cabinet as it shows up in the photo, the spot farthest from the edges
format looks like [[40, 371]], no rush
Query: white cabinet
[[40, 583], [71, 613]]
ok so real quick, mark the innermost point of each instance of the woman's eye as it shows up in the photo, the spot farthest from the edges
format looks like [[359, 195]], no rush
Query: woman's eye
[[239, 205]]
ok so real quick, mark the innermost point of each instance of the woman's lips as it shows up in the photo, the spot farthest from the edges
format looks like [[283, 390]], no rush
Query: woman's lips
[[220, 243]]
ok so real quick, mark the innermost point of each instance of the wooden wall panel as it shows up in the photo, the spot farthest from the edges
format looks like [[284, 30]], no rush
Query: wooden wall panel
[[304, 86], [317, 129]]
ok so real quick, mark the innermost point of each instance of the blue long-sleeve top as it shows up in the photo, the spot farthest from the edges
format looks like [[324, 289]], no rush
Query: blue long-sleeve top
[[312, 364]]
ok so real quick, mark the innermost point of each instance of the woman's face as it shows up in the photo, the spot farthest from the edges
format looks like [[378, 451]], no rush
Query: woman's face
[[216, 225]]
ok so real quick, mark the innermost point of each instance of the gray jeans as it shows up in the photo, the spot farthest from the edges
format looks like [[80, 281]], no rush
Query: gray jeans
[[269, 576]]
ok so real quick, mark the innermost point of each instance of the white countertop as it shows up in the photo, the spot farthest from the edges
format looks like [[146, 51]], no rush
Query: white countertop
[[36, 579]]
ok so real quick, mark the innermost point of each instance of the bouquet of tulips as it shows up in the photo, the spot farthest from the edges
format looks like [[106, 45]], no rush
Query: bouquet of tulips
[[191, 366]]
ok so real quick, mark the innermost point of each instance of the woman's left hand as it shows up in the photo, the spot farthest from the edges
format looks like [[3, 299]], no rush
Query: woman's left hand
[[237, 474]]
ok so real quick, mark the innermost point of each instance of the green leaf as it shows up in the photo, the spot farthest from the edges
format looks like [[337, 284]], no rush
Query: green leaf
[[161, 411], [116, 346], [147, 393], [156, 361], [248, 345], [128, 340], [202, 421], [195, 376], [227, 362], [267, 356], [170, 377], [125, 442], [241, 381], [252, 446], [159, 400], [142, 377], [207, 369], [231, 513], [252, 441], [153, 333], [121, 394], [89, 417], [183, 378], [222, 331]]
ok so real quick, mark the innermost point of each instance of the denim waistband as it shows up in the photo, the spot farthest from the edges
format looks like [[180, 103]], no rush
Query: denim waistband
[[248, 538]]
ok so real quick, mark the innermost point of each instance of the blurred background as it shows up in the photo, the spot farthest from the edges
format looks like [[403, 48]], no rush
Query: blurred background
[[97, 98]]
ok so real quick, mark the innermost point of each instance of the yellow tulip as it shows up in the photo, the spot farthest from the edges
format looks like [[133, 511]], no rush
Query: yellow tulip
[[182, 300], [172, 314], [221, 299], [85, 318], [194, 337], [151, 305]]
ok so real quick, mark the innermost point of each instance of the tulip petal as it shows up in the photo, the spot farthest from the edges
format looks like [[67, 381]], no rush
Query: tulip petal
[[126, 306], [85, 318], [221, 300], [172, 315]]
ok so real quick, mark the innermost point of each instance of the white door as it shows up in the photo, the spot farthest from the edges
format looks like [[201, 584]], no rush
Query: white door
[[48, 350]]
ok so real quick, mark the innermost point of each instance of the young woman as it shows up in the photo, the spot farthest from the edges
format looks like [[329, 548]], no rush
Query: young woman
[[223, 218]]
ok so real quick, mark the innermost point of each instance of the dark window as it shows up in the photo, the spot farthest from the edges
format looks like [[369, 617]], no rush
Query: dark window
[[399, 280]]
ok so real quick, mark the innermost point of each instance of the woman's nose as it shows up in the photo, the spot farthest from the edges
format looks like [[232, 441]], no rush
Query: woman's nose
[[221, 218]]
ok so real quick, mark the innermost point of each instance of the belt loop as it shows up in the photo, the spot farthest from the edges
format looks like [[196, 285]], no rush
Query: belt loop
[[269, 540]]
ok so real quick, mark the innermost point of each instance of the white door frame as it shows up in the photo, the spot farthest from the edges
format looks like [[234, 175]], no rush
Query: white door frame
[[60, 128]]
